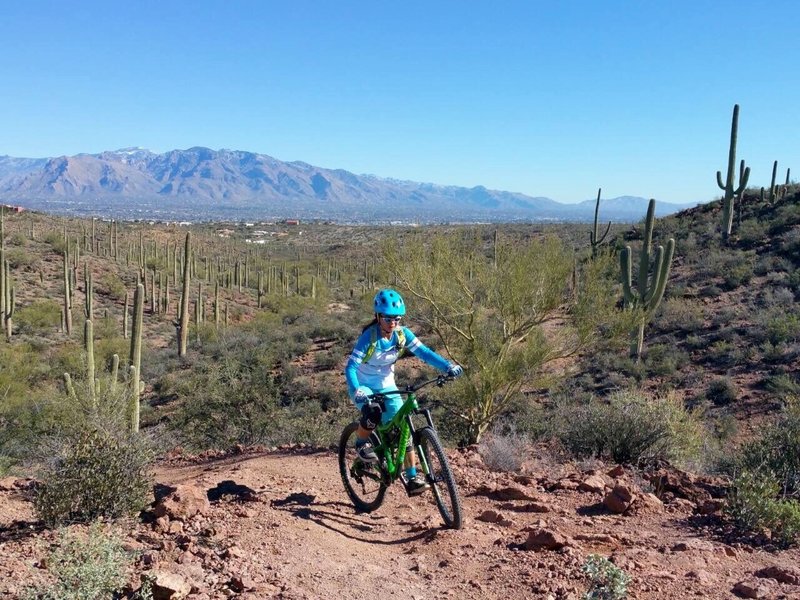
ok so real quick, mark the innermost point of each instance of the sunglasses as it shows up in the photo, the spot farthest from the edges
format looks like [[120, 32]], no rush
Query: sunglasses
[[388, 319]]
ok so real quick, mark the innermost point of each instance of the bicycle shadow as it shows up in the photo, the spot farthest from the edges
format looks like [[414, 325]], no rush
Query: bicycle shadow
[[304, 506]]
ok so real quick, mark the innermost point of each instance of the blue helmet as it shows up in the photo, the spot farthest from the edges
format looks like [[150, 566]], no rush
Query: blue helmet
[[390, 303]]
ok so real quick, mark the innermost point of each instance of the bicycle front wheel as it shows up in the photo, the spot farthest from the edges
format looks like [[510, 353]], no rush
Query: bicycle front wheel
[[363, 482], [440, 477]]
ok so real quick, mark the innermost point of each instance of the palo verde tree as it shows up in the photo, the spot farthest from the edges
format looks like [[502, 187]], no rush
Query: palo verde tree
[[503, 322]]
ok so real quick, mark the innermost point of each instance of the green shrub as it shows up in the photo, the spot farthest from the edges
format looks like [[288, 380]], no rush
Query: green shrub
[[722, 391], [91, 473], [113, 286], [630, 427], [92, 566], [665, 359], [41, 316], [754, 506], [606, 580], [680, 315]]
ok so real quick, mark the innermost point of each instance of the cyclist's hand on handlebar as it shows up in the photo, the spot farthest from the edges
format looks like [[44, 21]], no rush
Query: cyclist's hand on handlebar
[[362, 395], [454, 370]]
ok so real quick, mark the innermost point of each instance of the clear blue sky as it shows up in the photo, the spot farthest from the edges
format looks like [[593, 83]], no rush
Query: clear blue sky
[[545, 98]]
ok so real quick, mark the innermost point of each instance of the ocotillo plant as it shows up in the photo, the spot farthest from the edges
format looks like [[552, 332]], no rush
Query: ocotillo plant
[[650, 289], [593, 239], [183, 320], [728, 187]]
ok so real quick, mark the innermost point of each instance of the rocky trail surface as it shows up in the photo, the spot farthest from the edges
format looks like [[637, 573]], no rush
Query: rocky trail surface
[[276, 523]]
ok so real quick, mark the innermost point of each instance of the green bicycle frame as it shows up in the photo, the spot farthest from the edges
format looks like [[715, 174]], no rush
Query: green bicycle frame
[[395, 453]]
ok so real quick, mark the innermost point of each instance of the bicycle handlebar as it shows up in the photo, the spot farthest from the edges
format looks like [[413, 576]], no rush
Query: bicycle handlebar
[[439, 380]]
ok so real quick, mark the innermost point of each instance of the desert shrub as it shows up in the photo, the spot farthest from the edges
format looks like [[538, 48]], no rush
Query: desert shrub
[[777, 451], [754, 506], [93, 472], [226, 402], [665, 359], [113, 286], [503, 449], [606, 580], [774, 297], [721, 391], [18, 258], [38, 317], [783, 327], [56, 241], [91, 566], [778, 353], [630, 427], [782, 385], [710, 291], [680, 315], [752, 231]]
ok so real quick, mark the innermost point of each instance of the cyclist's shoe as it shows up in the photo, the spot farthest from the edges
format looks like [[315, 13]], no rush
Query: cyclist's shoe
[[417, 485], [367, 454]]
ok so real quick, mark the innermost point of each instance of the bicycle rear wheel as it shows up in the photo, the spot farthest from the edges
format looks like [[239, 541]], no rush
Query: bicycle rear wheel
[[363, 482], [440, 476]]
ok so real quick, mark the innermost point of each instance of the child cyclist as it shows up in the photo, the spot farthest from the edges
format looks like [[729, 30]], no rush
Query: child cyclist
[[370, 370]]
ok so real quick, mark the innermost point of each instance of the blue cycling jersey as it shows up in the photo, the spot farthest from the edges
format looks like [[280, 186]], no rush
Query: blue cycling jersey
[[377, 373]]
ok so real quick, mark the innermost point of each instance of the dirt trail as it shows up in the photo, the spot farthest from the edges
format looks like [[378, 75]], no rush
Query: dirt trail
[[281, 527]]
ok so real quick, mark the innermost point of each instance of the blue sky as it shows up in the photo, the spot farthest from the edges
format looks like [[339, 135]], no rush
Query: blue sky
[[545, 98]]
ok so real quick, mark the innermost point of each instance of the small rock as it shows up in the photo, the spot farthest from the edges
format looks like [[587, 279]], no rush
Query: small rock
[[593, 483], [546, 539], [619, 499], [790, 575], [169, 586], [750, 589]]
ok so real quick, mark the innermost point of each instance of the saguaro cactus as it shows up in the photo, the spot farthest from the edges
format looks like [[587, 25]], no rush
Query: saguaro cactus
[[67, 293], [650, 288], [183, 320], [88, 345], [136, 329], [593, 238], [728, 187], [772, 183]]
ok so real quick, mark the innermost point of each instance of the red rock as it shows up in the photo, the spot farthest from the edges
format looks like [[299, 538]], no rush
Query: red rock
[[790, 575], [169, 586], [545, 539], [750, 589], [593, 483], [619, 499], [184, 502]]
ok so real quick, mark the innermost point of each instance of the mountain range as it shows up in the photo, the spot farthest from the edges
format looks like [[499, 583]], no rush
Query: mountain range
[[204, 184]]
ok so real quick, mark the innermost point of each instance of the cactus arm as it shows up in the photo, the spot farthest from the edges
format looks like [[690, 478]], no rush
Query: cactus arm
[[719, 181], [644, 262], [626, 268], [663, 275]]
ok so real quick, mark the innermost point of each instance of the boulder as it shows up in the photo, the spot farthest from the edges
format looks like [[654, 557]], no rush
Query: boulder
[[619, 499], [182, 502]]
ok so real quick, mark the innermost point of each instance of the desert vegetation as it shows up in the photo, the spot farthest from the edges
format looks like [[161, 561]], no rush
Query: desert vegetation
[[125, 340]]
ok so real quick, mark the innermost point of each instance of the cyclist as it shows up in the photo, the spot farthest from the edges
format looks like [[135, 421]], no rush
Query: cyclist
[[370, 369]]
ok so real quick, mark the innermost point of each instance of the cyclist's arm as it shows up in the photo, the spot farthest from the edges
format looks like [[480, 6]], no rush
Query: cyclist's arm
[[356, 357], [424, 353]]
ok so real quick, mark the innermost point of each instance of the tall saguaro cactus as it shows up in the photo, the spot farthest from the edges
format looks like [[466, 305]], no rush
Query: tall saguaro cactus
[[8, 297], [136, 329], [594, 240], [88, 345], [183, 320], [728, 187], [650, 288]]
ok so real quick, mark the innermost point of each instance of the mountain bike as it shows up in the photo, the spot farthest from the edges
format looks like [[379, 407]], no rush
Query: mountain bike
[[366, 484]]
